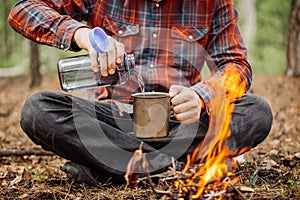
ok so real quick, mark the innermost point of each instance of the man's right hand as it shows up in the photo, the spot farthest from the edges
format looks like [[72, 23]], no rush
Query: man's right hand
[[107, 60]]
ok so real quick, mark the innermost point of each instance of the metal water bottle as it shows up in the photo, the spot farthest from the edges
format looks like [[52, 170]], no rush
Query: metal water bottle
[[76, 73]]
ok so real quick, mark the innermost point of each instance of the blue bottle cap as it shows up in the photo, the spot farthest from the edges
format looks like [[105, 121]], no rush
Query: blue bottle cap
[[99, 40]]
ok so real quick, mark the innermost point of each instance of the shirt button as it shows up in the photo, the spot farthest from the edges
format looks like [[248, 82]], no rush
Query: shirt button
[[157, 5], [154, 35], [120, 32], [151, 66], [191, 37]]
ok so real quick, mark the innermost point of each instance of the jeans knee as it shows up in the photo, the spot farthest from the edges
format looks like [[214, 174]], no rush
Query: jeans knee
[[251, 122], [262, 119], [264, 116], [29, 111]]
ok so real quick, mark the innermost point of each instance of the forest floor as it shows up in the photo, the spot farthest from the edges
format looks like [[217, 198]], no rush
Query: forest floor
[[271, 170]]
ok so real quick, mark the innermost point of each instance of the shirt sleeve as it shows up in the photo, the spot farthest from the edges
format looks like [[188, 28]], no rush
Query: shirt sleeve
[[227, 57], [48, 22]]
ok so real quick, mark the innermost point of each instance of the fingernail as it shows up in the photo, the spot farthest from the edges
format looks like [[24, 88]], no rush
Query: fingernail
[[119, 60], [95, 69], [111, 71], [104, 73]]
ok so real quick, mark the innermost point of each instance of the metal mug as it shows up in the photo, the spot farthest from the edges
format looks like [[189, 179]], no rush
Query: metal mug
[[151, 114]]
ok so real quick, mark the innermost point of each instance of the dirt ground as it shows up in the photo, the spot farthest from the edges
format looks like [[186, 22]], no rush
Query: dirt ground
[[272, 169]]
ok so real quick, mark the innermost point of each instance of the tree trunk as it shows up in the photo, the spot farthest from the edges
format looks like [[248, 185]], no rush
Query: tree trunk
[[293, 48], [7, 44], [248, 19], [35, 75]]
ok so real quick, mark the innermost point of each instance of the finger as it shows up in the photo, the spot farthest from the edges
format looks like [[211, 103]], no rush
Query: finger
[[94, 60], [120, 51], [111, 56], [182, 96], [183, 107], [112, 68], [111, 61], [186, 110], [188, 121], [174, 90], [182, 117], [103, 64], [187, 117]]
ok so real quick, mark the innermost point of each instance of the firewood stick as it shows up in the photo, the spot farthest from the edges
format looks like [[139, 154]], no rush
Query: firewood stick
[[239, 192], [156, 191], [37, 152]]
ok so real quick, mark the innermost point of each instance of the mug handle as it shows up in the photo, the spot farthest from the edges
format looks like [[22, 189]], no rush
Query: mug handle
[[172, 115]]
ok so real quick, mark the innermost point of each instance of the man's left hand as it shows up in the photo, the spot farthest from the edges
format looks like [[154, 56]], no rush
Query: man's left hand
[[186, 103]]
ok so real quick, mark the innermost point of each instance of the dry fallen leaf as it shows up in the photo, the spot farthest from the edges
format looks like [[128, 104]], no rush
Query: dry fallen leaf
[[25, 195], [2, 136], [15, 181], [25, 175], [244, 188], [297, 155], [4, 173]]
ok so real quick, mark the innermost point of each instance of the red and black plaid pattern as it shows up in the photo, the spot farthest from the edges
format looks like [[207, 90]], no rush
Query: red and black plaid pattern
[[171, 39]]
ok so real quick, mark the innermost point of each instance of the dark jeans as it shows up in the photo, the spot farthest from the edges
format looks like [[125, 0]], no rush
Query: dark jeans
[[95, 135]]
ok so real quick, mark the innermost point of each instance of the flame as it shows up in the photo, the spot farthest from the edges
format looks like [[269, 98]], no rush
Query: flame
[[212, 153]]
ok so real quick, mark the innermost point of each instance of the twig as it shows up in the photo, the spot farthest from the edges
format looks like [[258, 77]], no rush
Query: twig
[[145, 166], [238, 191], [214, 194], [69, 190], [7, 153], [164, 176], [181, 182], [58, 191], [251, 196]]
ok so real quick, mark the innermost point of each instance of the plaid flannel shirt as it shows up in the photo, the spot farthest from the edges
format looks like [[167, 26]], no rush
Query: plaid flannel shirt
[[171, 39]]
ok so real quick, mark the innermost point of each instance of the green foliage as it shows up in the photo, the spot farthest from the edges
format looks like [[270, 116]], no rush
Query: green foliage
[[37, 175], [268, 54], [271, 36], [19, 55]]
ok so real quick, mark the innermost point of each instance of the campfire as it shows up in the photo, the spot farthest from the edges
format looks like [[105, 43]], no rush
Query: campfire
[[210, 172]]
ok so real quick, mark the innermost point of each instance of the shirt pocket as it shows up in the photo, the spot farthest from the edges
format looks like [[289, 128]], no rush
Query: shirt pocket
[[122, 31], [188, 45]]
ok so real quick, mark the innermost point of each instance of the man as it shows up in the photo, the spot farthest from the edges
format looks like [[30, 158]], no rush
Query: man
[[170, 40]]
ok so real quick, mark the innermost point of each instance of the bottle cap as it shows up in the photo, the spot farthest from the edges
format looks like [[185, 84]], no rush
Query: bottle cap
[[99, 40]]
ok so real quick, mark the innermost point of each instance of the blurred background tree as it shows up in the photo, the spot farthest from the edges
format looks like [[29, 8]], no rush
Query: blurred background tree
[[264, 25], [293, 49], [267, 47], [20, 56]]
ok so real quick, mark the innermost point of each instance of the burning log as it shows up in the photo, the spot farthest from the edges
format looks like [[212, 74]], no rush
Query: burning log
[[178, 184], [187, 186]]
